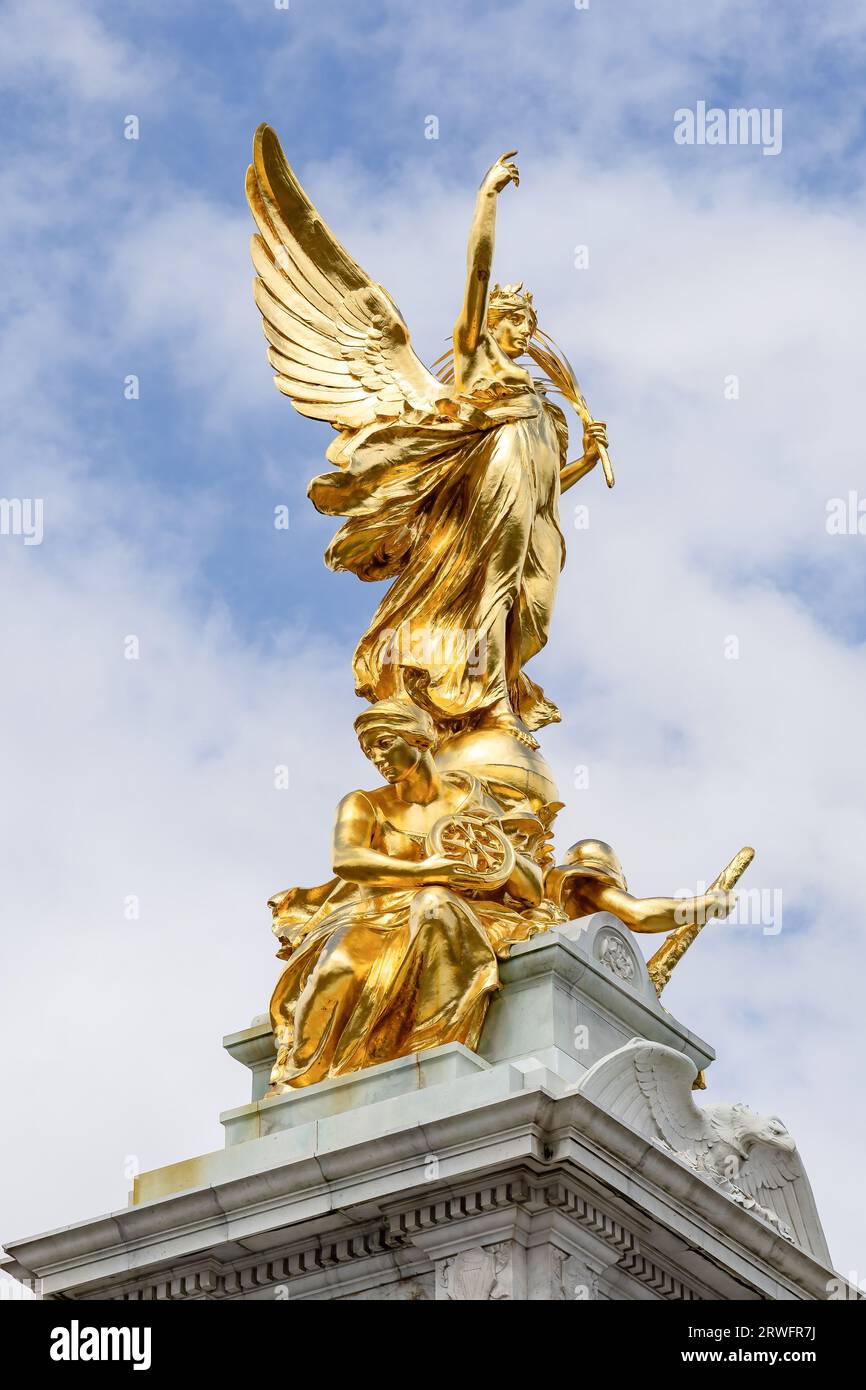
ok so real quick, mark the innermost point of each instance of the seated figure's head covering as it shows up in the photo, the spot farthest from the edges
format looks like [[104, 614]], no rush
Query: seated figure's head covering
[[598, 859], [398, 717]]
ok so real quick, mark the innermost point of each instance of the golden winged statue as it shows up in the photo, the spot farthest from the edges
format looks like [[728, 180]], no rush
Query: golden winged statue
[[449, 484]]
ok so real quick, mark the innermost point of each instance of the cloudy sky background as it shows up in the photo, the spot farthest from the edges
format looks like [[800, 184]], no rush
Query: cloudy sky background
[[155, 777]]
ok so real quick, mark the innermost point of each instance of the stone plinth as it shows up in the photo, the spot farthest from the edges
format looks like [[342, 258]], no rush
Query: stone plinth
[[403, 1077], [447, 1175], [571, 996], [568, 998]]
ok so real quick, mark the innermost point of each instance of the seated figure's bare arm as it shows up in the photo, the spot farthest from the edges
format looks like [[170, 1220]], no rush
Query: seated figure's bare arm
[[655, 914], [355, 859], [527, 881]]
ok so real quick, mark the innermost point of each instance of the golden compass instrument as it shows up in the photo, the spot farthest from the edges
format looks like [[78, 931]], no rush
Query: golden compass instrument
[[473, 838]]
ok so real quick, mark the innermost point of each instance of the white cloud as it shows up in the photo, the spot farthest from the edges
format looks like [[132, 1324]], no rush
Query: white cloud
[[71, 47], [155, 777], [152, 778], [181, 276]]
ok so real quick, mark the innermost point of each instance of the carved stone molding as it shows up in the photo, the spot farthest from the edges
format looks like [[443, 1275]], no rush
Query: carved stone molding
[[442, 1208], [616, 956], [480, 1274], [639, 1267], [443, 1235], [572, 1279], [240, 1279]]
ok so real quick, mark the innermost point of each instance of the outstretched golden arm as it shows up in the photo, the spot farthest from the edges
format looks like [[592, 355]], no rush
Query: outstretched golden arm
[[660, 914], [472, 322]]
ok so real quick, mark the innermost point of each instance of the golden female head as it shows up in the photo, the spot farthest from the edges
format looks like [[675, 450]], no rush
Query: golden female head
[[511, 318], [395, 735]]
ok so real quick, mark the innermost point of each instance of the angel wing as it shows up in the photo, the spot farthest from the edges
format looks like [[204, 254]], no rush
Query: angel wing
[[773, 1174], [648, 1087], [337, 341]]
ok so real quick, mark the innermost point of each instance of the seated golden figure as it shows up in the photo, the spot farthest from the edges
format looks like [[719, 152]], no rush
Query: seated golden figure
[[398, 952]]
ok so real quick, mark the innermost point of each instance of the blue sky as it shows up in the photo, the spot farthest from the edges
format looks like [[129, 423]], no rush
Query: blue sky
[[156, 778], [340, 87]]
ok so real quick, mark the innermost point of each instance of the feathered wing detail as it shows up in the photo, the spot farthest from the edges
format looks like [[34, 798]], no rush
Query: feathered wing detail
[[337, 342], [776, 1178], [648, 1087]]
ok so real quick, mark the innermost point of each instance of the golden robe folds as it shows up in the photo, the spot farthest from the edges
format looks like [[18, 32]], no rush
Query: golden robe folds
[[464, 510], [378, 973]]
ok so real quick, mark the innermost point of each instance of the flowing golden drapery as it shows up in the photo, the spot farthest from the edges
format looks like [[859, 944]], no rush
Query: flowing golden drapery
[[464, 511], [386, 974], [377, 973], [362, 989]]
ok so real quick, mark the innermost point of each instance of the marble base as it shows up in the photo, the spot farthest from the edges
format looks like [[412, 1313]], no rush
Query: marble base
[[446, 1175], [494, 1187], [417, 1072], [570, 997]]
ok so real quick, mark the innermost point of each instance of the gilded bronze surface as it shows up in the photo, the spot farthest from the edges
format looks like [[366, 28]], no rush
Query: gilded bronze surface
[[434, 879], [674, 948], [448, 485]]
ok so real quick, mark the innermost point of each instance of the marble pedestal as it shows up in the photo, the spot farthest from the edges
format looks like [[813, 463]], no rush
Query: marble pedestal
[[446, 1175]]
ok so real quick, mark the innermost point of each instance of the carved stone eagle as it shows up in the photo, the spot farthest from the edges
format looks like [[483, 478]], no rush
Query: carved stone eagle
[[751, 1157]]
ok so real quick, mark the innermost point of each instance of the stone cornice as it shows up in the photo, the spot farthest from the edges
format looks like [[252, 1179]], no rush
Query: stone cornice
[[529, 1131]]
